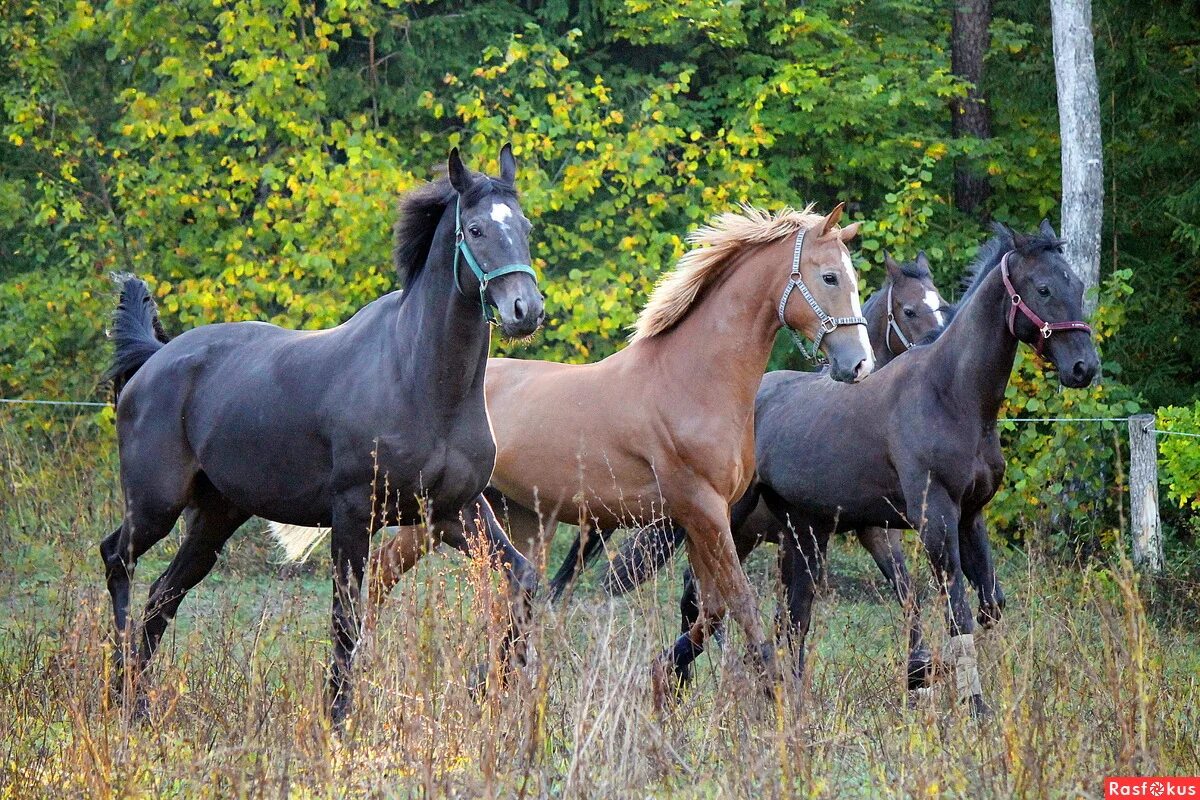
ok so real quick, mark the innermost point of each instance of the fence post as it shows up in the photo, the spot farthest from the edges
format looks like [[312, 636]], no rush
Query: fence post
[[1143, 493]]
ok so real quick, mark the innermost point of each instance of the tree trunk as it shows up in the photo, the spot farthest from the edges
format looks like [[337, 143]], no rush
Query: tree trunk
[[968, 46], [1079, 128]]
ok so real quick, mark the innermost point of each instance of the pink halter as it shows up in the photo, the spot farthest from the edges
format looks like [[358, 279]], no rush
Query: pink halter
[[1046, 328]]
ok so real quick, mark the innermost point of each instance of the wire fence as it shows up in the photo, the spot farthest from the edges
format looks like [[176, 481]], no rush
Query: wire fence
[[1147, 528], [96, 404]]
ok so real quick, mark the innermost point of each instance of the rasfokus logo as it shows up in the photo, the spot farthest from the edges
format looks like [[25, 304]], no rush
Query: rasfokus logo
[[1153, 787]]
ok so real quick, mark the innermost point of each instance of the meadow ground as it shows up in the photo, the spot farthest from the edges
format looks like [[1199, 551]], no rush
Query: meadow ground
[[1087, 679]]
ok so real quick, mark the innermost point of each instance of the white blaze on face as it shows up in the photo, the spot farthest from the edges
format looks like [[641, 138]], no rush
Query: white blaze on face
[[855, 305], [934, 302], [500, 215]]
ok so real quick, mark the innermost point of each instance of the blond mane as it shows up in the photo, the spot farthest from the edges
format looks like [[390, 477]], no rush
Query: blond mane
[[713, 248]]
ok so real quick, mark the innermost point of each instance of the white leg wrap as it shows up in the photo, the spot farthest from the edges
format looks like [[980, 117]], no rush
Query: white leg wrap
[[960, 651]]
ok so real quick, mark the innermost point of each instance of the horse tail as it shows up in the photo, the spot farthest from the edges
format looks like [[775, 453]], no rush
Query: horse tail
[[136, 331], [297, 541], [640, 557]]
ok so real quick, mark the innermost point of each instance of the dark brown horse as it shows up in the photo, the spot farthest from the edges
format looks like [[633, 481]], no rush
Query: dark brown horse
[[662, 432], [307, 427], [920, 426], [905, 310]]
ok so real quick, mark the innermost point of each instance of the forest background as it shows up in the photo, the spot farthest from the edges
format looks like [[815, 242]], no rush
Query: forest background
[[245, 157]]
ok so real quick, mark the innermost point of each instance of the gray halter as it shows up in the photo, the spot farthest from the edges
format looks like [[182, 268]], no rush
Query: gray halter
[[894, 328], [826, 324]]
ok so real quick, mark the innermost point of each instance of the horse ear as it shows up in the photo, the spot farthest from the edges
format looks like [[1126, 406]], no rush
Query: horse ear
[[848, 233], [508, 164], [833, 218], [893, 269], [923, 261], [1047, 230], [1017, 239], [460, 178]]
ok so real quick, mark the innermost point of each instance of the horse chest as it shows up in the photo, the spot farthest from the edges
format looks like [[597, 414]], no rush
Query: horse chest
[[447, 468]]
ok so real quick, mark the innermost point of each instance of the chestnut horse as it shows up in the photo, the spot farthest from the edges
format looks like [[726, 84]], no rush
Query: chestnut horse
[[662, 432], [906, 310]]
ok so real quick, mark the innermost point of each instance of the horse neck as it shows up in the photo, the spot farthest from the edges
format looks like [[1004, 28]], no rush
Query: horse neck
[[974, 357], [440, 335], [877, 326], [722, 344]]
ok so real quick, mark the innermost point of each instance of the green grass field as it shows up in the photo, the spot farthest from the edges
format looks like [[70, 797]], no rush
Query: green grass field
[[1085, 681]]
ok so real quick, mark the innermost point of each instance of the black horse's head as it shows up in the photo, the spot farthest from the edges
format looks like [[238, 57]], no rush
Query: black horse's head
[[494, 234], [916, 305], [1043, 282]]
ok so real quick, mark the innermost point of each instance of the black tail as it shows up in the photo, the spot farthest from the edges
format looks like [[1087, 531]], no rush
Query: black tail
[[574, 564], [641, 555], [136, 332]]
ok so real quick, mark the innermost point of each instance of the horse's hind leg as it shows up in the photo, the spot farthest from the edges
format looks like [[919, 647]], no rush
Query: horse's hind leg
[[151, 508], [395, 557], [884, 545], [802, 564], [208, 523]]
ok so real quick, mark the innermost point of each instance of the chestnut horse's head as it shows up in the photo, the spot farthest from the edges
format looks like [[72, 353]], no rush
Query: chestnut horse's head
[[820, 299]]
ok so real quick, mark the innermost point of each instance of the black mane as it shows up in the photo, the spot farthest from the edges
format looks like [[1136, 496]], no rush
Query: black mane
[[420, 212], [1002, 241]]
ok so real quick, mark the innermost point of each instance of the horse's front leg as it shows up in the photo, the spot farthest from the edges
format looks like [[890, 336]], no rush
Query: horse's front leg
[[931, 506], [980, 569], [802, 549], [349, 546], [885, 546], [483, 528], [719, 575]]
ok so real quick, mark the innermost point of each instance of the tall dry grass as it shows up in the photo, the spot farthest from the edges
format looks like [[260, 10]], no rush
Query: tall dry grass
[[1083, 682]]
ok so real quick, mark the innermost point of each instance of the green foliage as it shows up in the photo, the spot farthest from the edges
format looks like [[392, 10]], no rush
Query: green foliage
[[1179, 458], [246, 156]]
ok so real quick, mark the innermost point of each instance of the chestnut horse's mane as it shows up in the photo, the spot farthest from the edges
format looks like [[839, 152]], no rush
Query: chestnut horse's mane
[[713, 248]]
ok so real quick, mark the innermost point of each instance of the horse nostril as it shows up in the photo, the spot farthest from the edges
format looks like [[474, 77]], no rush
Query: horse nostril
[[518, 309], [861, 370], [1079, 370]]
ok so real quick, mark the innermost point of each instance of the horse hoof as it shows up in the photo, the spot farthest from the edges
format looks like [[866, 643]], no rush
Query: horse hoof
[[477, 681], [919, 697], [141, 709], [920, 670], [667, 682], [989, 616], [980, 710]]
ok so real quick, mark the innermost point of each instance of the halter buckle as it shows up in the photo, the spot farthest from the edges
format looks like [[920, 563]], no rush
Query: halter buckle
[[828, 325], [1046, 330]]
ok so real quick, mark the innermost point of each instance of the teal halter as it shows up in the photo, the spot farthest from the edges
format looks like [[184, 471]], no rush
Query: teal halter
[[461, 248]]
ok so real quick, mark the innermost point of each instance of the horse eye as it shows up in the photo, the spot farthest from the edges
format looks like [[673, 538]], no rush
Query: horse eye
[[908, 312], [1044, 291], [830, 279], [475, 231]]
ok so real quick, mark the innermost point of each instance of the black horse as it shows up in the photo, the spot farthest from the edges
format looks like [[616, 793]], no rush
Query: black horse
[[924, 427], [378, 421], [907, 309]]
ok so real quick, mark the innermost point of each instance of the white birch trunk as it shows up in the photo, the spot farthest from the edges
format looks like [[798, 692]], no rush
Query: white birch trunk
[[1079, 128]]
